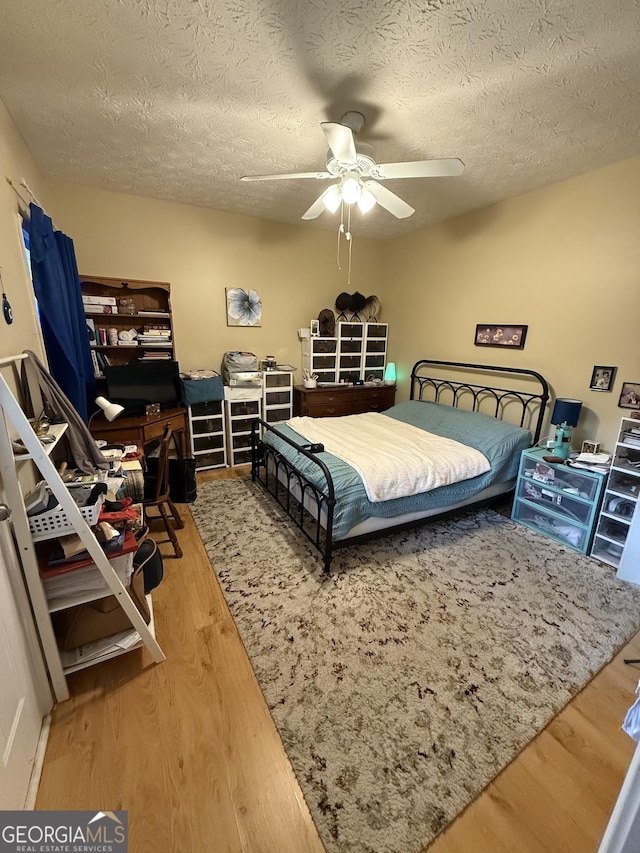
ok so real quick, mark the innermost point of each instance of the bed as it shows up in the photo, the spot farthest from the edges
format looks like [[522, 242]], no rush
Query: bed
[[329, 495]]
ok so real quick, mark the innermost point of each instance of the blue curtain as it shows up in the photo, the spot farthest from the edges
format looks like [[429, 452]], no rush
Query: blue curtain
[[62, 319]]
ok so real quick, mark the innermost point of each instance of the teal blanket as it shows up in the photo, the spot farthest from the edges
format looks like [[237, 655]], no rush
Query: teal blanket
[[499, 441]]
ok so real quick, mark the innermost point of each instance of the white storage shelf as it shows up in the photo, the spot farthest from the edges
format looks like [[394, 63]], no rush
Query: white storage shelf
[[240, 418], [207, 434], [617, 538], [359, 351], [11, 413], [277, 397]]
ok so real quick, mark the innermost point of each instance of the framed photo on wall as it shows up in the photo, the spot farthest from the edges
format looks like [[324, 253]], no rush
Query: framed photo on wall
[[630, 396], [493, 335], [602, 378]]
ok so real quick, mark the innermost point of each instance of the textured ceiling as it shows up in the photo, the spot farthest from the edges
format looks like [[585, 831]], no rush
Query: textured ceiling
[[177, 99]]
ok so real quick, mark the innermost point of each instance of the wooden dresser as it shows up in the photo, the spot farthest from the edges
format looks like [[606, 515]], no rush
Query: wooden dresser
[[342, 400]]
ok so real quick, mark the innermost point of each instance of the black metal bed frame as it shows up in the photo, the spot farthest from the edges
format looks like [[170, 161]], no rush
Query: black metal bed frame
[[311, 507]]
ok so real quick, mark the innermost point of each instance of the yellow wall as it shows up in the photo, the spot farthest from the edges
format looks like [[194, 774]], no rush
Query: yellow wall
[[564, 260], [16, 163], [201, 252]]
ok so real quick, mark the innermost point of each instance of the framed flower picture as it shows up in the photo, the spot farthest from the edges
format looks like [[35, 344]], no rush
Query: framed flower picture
[[491, 335], [244, 307]]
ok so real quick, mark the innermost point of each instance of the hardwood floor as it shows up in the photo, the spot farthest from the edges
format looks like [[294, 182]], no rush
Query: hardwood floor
[[189, 749]]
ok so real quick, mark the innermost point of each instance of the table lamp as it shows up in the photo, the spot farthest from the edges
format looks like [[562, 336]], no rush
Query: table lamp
[[111, 410], [565, 415]]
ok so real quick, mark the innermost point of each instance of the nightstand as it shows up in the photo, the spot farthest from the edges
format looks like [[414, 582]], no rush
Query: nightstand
[[557, 500]]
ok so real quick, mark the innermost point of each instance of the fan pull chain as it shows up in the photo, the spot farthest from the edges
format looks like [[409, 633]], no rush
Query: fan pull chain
[[340, 231], [350, 241], [348, 238]]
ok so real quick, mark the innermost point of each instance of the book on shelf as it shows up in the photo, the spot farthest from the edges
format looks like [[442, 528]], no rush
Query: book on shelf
[[96, 367], [53, 561], [156, 329], [154, 312]]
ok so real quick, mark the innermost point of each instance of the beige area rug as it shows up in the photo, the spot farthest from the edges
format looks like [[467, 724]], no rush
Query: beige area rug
[[402, 683]]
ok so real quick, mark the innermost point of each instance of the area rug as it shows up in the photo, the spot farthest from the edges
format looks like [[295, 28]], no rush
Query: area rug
[[406, 680]]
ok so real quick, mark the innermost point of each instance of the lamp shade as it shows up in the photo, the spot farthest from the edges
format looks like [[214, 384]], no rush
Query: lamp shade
[[332, 198], [111, 410], [566, 411], [351, 190], [390, 373], [366, 201]]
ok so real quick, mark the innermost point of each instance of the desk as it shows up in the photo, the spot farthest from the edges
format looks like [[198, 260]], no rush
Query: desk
[[140, 429]]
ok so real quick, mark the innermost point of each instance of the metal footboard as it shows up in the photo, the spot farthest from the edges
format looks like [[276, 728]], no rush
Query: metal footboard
[[308, 505]]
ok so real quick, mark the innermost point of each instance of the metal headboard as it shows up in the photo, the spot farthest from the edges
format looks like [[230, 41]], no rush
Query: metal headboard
[[528, 406]]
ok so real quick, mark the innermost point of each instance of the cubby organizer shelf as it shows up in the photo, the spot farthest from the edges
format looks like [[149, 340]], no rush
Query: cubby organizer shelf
[[617, 539]]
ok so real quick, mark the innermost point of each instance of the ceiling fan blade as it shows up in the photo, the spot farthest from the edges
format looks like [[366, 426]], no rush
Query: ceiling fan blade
[[447, 168], [340, 139], [390, 201], [321, 176], [316, 208]]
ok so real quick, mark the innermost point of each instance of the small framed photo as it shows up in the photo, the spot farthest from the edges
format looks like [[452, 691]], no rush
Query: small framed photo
[[602, 378], [590, 447], [630, 396], [315, 328], [491, 335]]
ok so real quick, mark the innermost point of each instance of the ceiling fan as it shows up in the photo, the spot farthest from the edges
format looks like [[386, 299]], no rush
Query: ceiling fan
[[358, 174]]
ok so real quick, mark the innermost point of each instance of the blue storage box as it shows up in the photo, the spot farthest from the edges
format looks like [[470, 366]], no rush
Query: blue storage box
[[202, 390]]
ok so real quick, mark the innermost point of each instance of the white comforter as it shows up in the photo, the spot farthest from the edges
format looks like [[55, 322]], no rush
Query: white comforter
[[394, 459]]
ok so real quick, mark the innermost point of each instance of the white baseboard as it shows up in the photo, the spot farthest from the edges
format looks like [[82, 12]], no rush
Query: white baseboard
[[38, 762]]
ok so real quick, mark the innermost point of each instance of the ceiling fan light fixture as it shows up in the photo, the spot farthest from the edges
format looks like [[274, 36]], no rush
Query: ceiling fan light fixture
[[332, 198], [351, 190], [366, 201]]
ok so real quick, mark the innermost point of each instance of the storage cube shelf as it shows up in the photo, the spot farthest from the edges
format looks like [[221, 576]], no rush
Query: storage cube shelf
[[359, 351], [277, 396], [557, 500], [207, 434], [272, 402], [617, 538]]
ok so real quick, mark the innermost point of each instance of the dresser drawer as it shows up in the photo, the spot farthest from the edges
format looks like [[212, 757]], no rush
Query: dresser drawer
[[545, 521], [375, 399], [330, 397], [330, 409]]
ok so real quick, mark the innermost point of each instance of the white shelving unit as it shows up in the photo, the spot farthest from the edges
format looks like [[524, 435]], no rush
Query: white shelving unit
[[207, 434], [375, 350], [242, 407], [617, 538], [358, 352], [320, 356], [38, 453], [277, 396], [350, 351]]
